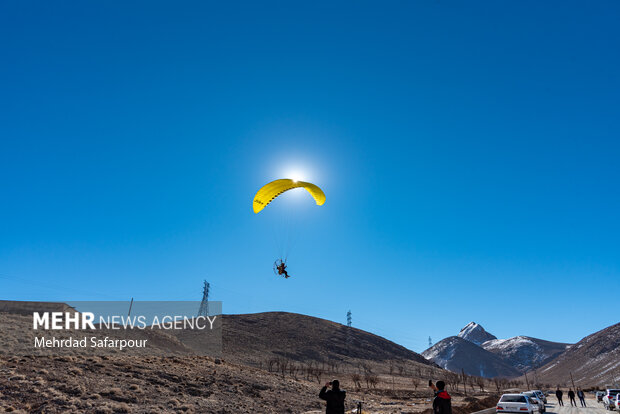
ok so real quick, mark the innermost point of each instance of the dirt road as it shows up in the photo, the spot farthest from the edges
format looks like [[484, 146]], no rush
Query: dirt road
[[592, 406]]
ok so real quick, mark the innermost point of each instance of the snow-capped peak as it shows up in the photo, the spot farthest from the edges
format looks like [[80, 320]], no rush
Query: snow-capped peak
[[475, 333], [471, 326], [515, 342]]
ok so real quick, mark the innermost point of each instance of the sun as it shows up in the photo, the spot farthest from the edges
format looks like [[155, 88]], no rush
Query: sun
[[296, 176]]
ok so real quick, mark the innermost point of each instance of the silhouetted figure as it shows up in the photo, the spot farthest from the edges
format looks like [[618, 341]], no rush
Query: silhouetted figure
[[281, 269], [442, 403], [334, 397], [582, 397], [571, 396], [558, 395]]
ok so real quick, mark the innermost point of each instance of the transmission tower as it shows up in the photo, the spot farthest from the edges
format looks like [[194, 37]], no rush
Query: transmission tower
[[204, 305], [348, 332], [430, 342]]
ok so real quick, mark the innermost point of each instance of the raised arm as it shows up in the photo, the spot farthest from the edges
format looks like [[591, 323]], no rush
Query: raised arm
[[323, 393]]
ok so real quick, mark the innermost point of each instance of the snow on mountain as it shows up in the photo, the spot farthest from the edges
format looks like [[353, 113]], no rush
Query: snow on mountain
[[481, 353], [507, 344], [456, 354], [523, 352], [475, 333]]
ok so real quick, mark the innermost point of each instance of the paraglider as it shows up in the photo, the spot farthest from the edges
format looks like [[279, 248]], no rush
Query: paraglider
[[279, 268], [269, 192]]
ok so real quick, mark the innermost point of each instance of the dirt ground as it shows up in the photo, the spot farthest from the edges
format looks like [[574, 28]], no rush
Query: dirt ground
[[119, 382], [72, 384]]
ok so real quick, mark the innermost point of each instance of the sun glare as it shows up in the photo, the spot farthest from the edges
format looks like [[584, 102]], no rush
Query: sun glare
[[297, 170], [296, 176]]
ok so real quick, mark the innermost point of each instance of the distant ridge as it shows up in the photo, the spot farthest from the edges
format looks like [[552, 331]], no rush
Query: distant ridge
[[478, 352], [456, 354], [524, 352]]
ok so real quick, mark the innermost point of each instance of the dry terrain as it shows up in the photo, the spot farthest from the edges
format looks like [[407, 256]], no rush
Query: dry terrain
[[256, 339], [271, 363], [186, 384], [593, 361]]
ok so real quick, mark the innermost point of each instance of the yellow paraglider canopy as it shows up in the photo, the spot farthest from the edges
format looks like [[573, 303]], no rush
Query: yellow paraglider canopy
[[270, 191]]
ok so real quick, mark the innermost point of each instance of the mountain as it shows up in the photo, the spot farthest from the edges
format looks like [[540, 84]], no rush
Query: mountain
[[483, 352], [254, 339], [455, 354], [475, 333], [593, 361], [525, 353]]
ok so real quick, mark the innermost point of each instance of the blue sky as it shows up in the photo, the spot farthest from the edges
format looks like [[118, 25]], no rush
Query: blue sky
[[468, 150]]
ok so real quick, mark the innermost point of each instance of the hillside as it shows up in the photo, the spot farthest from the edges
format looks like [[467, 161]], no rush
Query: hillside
[[171, 378], [456, 354], [144, 384], [593, 361], [525, 353], [253, 339]]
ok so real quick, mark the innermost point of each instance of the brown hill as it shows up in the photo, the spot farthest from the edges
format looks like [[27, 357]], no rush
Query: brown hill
[[593, 361], [254, 339], [20, 307], [257, 339], [188, 383]]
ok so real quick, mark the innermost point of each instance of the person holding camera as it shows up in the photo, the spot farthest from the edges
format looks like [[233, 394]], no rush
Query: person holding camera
[[334, 397], [442, 403]]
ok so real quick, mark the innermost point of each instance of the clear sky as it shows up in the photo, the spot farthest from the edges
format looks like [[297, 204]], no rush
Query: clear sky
[[468, 150]]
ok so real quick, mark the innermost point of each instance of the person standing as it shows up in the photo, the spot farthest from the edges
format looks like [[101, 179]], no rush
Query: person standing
[[571, 396], [582, 397], [558, 395], [334, 397], [442, 403]]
